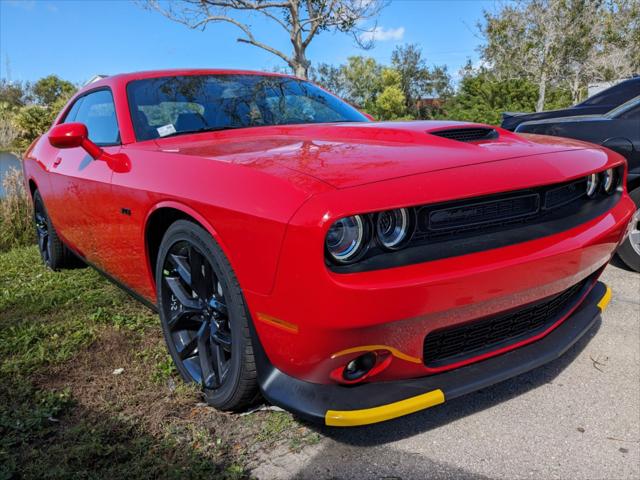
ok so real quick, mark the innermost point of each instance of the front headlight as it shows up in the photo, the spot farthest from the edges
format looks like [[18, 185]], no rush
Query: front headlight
[[609, 182], [346, 239], [592, 184], [392, 228]]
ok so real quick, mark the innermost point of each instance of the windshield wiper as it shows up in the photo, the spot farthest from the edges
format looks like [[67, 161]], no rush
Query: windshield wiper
[[201, 130]]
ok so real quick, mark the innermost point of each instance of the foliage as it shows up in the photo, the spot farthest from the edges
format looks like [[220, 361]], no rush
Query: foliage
[[482, 97], [27, 111], [301, 21], [16, 223], [419, 82], [392, 92], [13, 94], [390, 104], [51, 90], [562, 43], [64, 414]]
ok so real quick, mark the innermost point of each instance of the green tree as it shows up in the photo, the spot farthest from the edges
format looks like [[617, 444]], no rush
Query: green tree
[[32, 112], [418, 81], [390, 103], [49, 90], [13, 94], [482, 97]]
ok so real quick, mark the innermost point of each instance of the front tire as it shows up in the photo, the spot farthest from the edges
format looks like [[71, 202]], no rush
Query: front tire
[[204, 317], [629, 251]]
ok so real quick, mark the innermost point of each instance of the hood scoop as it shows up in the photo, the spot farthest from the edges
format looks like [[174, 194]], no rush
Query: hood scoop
[[472, 134]]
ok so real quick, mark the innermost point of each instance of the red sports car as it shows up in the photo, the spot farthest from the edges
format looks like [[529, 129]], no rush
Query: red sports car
[[351, 271]]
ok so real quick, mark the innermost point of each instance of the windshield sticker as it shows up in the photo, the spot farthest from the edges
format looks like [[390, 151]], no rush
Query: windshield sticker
[[166, 130]]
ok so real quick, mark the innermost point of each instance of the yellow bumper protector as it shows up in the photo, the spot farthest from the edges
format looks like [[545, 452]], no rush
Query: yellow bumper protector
[[604, 301], [352, 418]]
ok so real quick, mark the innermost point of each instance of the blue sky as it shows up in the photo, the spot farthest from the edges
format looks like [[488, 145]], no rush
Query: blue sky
[[76, 39]]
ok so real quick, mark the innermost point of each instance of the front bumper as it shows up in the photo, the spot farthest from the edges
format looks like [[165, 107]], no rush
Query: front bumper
[[338, 405]]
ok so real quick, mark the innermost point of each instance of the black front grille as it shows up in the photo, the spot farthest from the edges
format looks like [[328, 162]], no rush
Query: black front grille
[[564, 194], [451, 345], [467, 134], [482, 213]]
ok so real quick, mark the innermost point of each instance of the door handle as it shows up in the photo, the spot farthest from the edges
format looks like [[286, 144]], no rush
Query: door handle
[[57, 161]]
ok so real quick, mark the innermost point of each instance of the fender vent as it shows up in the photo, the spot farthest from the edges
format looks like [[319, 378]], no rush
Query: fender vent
[[467, 134]]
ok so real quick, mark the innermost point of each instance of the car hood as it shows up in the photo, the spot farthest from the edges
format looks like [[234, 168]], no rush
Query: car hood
[[350, 154]]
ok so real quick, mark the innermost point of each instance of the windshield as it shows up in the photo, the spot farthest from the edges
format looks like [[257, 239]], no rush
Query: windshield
[[168, 106], [621, 111]]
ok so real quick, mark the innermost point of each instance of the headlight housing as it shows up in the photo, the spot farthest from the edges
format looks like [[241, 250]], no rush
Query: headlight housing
[[346, 239], [609, 181], [393, 228], [593, 181]]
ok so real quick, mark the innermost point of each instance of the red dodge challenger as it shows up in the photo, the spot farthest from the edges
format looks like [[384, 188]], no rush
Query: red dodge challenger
[[351, 271]]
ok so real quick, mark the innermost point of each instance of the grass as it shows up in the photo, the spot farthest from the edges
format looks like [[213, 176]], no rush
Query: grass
[[65, 414], [16, 226]]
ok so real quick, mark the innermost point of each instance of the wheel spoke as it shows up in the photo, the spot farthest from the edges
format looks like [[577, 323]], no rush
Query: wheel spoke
[[181, 294], [222, 339], [181, 265], [179, 314], [42, 240], [207, 364], [188, 349], [198, 273], [220, 366]]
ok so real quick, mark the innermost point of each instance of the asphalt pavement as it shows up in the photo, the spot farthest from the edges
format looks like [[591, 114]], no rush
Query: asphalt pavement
[[575, 418]]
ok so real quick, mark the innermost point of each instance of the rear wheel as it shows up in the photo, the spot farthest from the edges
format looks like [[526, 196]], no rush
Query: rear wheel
[[629, 251], [52, 251], [204, 317]]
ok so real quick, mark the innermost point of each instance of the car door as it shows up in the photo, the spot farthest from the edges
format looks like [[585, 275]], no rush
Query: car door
[[80, 206]]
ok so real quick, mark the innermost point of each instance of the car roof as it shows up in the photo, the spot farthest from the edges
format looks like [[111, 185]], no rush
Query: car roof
[[124, 78]]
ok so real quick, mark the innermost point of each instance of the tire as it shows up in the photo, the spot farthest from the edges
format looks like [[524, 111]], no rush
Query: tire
[[52, 251], [629, 251], [204, 317]]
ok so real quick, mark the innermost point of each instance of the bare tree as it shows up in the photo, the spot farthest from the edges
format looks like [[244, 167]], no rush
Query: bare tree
[[302, 20]]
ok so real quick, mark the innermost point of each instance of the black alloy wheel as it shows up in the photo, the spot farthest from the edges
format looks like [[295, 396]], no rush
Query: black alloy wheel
[[42, 230], [52, 251], [204, 318]]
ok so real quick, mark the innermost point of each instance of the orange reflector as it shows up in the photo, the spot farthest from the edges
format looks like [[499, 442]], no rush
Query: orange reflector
[[276, 322]]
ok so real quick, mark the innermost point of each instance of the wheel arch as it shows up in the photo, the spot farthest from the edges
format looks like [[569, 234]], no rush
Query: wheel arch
[[633, 184], [160, 218], [33, 186]]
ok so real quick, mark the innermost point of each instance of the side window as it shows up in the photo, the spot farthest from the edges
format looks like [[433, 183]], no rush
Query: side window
[[631, 114], [98, 113], [73, 111]]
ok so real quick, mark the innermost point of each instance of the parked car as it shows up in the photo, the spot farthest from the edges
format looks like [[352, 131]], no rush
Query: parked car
[[349, 270], [598, 104], [618, 130]]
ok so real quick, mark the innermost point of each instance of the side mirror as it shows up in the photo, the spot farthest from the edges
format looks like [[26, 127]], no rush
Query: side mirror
[[73, 135], [370, 117], [68, 135]]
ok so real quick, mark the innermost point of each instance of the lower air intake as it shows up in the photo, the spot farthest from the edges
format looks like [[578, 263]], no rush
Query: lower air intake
[[452, 345]]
